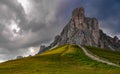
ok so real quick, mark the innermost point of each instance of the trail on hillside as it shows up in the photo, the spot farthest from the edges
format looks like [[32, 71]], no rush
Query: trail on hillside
[[94, 57]]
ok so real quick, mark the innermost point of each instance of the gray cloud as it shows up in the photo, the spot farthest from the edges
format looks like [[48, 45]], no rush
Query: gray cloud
[[39, 26]]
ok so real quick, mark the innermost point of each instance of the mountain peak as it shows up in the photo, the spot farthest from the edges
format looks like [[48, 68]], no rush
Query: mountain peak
[[83, 30], [78, 11]]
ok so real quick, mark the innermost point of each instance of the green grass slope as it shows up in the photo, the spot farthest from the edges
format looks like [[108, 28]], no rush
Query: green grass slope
[[112, 56], [66, 59]]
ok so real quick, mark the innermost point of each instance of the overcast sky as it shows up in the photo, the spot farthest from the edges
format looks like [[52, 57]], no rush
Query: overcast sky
[[26, 24]]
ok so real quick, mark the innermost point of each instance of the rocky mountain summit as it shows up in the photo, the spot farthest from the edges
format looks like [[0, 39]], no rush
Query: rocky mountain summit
[[82, 30]]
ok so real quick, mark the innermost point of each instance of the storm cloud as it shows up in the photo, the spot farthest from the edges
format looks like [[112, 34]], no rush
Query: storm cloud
[[26, 24]]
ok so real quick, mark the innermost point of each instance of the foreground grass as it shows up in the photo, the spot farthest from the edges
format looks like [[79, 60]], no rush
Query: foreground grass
[[112, 56], [66, 59]]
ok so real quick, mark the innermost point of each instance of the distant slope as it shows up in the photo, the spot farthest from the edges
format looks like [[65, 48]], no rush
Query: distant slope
[[66, 59], [97, 58], [112, 56]]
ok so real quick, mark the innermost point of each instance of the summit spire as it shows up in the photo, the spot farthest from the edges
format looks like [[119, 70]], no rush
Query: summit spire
[[78, 12]]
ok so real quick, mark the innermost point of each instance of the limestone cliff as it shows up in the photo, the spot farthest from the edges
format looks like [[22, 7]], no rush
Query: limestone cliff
[[82, 30], [109, 42]]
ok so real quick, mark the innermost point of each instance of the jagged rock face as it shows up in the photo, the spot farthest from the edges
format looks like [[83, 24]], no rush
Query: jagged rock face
[[44, 48], [80, 30], [83, 30], [109, 42]]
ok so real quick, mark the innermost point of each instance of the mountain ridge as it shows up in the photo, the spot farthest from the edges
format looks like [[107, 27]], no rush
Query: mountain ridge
[[82, 30]]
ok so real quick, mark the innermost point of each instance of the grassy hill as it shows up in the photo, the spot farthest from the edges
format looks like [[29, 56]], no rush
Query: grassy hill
[[112, 56], [66, 59]]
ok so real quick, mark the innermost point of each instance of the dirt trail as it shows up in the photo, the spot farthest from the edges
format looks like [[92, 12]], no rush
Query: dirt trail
[[94, 57]]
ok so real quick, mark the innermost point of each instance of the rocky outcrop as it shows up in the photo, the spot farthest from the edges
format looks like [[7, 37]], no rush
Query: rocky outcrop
[[44, 48], [83, 30], [109, 42]]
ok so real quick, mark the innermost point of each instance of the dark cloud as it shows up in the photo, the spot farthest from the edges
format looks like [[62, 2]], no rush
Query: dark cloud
[[14, 7], [10, 10], [108, 13]]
